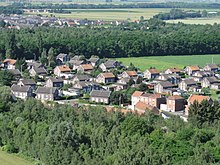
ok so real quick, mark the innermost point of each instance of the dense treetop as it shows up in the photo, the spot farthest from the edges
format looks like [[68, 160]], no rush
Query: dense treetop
[[155, 38], [65, 135]]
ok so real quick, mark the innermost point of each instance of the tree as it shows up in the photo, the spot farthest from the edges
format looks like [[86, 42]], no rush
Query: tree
[[6, 78], [51, 55], [142, 87]]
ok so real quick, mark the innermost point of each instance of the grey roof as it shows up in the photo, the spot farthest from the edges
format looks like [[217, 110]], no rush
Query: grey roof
[[56, 80], [212, 79], [34, 64], [94, 59], [76, 62], [213, 66], [166, 84], [28, 82], [46, 90], [82, 77], [61, 55], [189, 81], [77, 58], [100, 93], [14, 71], [110, 64], [40, 70], [18, 88]]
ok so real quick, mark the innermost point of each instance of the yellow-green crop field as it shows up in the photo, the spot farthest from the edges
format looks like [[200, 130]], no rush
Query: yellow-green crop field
[[164, 62], [12, 159], [108, 14]]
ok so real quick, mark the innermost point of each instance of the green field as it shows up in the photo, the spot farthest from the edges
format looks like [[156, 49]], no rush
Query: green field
[[11, 159], [164, 62], [108, 14], [201, 21]]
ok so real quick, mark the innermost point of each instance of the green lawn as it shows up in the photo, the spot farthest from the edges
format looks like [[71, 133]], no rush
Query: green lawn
[[11, 159], [164, 62]]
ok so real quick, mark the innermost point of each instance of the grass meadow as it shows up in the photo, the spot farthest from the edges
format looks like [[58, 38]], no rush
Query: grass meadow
[[164, 62], [12, 159]]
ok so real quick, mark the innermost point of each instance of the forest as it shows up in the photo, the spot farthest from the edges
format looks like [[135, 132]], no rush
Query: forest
[[63, 135], [151, 38]]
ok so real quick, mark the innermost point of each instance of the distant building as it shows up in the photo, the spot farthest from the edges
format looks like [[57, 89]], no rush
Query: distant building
[[100, 96]]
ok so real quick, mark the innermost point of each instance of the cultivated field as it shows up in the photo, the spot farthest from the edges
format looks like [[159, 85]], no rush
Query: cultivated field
[[201, 21], [108, 14], [164, 62], [11, 159]]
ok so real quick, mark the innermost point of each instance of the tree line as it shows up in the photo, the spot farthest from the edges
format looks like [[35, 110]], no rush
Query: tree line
[[109, 5], [61, 134], [149, 39]]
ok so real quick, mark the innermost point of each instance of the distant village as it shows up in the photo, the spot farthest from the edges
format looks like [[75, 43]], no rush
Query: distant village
[[31, 21], [73, 78]]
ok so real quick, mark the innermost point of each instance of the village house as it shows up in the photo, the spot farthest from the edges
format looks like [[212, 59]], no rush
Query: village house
[[151, 73], [154, 100], [211, 67], [94, 61], [173, 78], [54, 82], [47, 93], [75, 63], [27, 82], [141, 108], [86, 87], [16, 73], [85, 68], [162, 86], [62, 58], [9, 63], [215, 86], [186, 84], [106, 78], [22, 92], [173, 71], [207, 81], [123, 81], [81, 77], [175, 103], [38, 71], [100, 96], [32, 63], [199, 75], [198, 98], [63, 71], [110, 64], [135, 97], [191, 70], [129, 74]]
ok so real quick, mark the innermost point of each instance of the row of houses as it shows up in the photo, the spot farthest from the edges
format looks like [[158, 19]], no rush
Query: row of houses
[[167, 86]]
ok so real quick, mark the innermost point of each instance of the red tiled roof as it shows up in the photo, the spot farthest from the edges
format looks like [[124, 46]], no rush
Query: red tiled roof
[[10, 61], [137, 94], [142, 106], [87, 66], [64, 68], [174, 70], [108, 75], [194, 68], [153, 71], [175, 97], [131, 73], [198, 98]]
